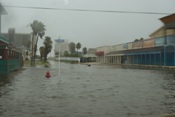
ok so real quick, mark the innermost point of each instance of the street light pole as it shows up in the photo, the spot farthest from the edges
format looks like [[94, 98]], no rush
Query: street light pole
[[59, 40], [59, 56]]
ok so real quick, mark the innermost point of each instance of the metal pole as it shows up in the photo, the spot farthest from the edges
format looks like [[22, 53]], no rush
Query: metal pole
[[59, 56]]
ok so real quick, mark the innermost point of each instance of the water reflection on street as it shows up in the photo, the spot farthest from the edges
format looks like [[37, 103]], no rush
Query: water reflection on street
[[83, 91]]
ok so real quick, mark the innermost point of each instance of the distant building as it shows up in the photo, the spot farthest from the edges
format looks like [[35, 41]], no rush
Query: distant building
[[158, 50], [90, 55], [64, 46], [19, 40]]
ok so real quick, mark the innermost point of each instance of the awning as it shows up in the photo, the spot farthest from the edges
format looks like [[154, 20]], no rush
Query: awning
[[99, 53], [2, 10], [3, 39]]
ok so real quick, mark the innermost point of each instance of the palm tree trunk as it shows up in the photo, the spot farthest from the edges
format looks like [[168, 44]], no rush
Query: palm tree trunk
[[35, 49], [40, 57], [45, 57]]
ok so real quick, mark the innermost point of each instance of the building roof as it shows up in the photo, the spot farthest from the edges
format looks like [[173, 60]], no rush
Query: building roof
[[169, 21], [2, 10], [3, 39], [168, 18]]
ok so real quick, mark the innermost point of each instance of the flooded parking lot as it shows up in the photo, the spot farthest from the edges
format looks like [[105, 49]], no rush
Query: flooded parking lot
[[83, 91]]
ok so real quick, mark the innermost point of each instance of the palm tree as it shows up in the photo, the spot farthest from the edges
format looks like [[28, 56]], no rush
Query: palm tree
[[38, 29], [78, 46], [48, 46], [72, 47], [84, 50], [42, 51]]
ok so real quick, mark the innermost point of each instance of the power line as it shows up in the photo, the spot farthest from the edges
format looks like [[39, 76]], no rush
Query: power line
[[87, 10]]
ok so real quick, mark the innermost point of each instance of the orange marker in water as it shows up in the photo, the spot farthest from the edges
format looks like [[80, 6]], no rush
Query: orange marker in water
[[47, 74]]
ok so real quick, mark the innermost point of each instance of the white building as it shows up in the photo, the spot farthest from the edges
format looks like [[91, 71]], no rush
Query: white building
[[64, 46], [91, 55]]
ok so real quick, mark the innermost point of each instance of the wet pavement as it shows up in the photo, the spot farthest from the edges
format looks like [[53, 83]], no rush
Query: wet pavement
[[87, 91]]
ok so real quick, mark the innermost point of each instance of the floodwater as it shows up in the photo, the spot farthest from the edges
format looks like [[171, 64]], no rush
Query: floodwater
[[83, 91]]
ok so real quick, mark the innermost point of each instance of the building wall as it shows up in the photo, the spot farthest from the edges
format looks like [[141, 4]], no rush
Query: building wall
[[11, 35], [106, 49], [148, 43], [103, 48], [121, 47], [22, 39], [161, 33], [91, 51], [113, 48], [101, 58], [18, 39], [130, 45], [137, 44]]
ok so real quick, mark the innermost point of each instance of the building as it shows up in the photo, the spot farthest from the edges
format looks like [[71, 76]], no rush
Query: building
[[18, 39], [90, 55], [159, 49], [63, 45], [21, 41], [10, 57]]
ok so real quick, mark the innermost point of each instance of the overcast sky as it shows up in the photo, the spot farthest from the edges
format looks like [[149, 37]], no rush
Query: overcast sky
[[91, 29]]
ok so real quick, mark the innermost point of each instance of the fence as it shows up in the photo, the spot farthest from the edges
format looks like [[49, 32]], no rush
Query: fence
[[69, 59]]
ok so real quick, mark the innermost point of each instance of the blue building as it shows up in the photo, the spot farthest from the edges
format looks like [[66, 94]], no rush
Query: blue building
[[158, 50]]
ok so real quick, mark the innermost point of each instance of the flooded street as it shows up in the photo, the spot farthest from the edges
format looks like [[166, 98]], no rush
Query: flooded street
[[83, 91]]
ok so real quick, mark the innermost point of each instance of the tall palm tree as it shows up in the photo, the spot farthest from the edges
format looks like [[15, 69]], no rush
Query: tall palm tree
[[78, 46], [42, 51], [48, 46], [38, 29]]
